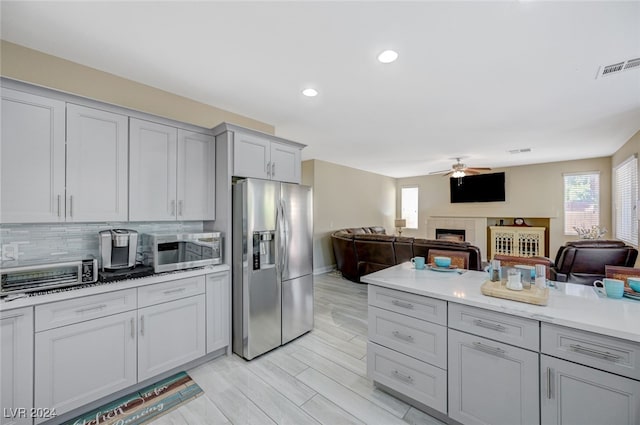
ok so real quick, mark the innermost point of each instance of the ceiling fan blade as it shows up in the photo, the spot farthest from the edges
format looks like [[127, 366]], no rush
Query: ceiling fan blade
[[478, 168], [440, 172], [448, 174], [471, 172]]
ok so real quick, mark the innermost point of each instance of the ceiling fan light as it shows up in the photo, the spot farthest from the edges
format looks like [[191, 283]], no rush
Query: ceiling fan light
[[458, 174]]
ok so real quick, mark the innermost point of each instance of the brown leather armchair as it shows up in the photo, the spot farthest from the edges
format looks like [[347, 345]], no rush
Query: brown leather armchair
[[344, 249], [584, 261]]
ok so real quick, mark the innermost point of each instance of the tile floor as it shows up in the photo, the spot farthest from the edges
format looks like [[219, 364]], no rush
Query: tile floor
[[320, 378]]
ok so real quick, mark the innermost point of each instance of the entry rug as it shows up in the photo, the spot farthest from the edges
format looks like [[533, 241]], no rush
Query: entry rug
[[144, 405]]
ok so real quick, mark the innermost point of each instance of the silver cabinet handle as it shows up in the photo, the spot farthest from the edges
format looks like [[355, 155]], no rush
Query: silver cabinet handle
[[173, 207], [273, 169], [487, 325], [173, 291], [180, 207], [594, 353], [70, 205], [268, 168], [402, 376], [402, 336], [98, 307], [402, 304], [142, 325], [59, 211], [133, 331], [496, 351], [549, 383]]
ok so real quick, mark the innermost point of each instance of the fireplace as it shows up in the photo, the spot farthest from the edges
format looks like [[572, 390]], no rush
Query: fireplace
[[457, 235]]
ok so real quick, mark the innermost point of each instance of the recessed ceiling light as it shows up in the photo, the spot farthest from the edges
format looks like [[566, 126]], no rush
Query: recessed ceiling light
[[310, 92], [388, 56]]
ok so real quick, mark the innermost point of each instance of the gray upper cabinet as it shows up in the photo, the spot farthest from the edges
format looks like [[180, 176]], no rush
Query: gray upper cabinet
[[171, 172], [265, 157], [33, 158], [37, 161], [97, 158]]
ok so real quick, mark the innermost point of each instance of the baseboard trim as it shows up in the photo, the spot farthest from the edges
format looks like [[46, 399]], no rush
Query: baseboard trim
[[323, 270]]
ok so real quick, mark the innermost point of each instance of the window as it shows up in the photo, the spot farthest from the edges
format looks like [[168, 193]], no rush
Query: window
[[625, 187], [409, 208], [581, 201]]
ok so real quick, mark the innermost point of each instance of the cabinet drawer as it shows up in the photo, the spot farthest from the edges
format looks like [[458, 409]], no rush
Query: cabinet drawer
[[423, 340], [417, 306], [415, 379], [599, 351], [62, 313], [502, 327], [169, 291]]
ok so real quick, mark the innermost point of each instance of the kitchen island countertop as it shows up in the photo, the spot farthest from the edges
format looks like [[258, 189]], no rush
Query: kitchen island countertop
[[572, 305]]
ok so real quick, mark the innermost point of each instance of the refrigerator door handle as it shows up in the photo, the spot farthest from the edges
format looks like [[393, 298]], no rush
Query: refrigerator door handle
[[283, 242], [285, 247]]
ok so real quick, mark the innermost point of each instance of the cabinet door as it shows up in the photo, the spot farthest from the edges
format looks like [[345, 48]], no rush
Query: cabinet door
[[80, 363], [32, 158], [152, 171], [97, 161], [285, 163], [573, 394], [491, 383], [218, 311], [251, 156], [16, 365], [170, 335], [196, 176]]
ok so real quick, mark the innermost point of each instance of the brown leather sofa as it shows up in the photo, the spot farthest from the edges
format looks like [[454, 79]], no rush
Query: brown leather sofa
[[584, 261], [363, 250]]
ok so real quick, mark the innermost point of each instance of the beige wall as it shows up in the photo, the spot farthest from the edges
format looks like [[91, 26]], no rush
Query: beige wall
[[23, 64], [534, 191], [345, 197]]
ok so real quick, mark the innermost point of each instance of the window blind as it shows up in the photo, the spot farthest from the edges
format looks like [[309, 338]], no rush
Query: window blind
[[581, 201], [626, 198]]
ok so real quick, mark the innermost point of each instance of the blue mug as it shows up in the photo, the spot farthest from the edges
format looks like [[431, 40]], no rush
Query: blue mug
[[418, 262], [612, 288]]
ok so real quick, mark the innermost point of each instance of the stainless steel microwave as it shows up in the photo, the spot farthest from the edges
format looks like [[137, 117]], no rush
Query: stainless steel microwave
[[179, 251]]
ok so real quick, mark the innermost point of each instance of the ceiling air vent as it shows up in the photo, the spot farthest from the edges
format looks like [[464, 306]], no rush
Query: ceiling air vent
[[523, 150], [616, 68]]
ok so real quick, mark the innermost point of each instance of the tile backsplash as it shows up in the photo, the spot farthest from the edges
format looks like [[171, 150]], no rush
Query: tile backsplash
[[71, 241]]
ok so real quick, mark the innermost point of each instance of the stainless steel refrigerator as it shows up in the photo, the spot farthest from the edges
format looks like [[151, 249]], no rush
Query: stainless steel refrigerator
[[272, 265]]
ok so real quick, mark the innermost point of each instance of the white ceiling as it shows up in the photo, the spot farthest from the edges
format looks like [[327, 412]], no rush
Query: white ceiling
[[474, 79]]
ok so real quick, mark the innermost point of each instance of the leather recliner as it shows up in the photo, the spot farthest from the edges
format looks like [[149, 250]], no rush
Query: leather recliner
[[584, 261]]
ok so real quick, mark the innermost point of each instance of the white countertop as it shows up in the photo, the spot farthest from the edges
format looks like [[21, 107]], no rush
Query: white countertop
[[572, 305], [101, 288]]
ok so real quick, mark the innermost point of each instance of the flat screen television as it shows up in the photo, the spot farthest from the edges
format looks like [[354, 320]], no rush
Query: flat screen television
[[478, 188]]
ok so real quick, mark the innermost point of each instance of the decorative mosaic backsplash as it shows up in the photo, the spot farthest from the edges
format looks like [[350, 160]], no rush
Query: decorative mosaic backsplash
[[70, 241]]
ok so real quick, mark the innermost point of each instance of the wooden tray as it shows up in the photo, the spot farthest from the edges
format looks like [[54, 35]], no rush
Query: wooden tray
[[531, 296]]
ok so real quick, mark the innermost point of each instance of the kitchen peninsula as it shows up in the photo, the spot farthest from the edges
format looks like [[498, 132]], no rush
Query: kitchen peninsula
[[438, 343]]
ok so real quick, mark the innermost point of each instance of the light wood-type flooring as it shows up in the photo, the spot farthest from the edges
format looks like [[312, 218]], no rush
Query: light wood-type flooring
[[320, 378]]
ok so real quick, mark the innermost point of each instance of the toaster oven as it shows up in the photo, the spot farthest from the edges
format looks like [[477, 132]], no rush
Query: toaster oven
[[42, 277]]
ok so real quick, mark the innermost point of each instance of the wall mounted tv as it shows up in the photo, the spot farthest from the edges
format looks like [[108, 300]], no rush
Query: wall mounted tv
[[478, 188]]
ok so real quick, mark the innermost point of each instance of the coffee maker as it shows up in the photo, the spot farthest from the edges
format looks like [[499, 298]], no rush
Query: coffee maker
[[118, 249]]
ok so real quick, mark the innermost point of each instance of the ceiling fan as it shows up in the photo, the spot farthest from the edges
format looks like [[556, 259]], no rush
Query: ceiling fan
[[460, 170]]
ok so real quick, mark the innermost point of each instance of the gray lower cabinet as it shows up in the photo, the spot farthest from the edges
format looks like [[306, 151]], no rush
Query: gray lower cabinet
[[491, 383], [574, 394], [218, 293], [91, 347], [79, 363], [16, 354]]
